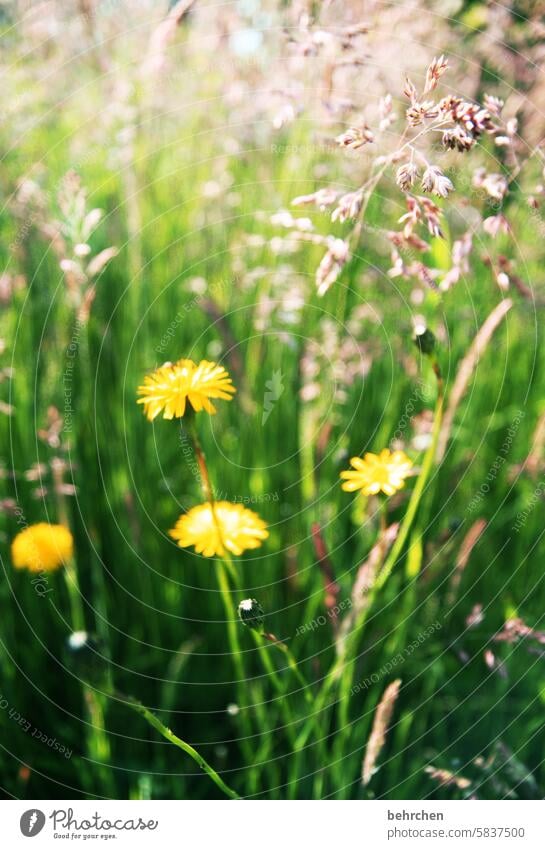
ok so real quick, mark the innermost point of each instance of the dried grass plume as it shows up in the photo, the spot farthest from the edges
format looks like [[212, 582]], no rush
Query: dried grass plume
[[383, 715]]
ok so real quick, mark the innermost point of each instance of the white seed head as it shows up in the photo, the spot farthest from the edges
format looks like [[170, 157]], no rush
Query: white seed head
[[77, 639]]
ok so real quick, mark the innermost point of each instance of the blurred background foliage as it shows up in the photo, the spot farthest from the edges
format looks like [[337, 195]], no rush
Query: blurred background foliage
[[190, 137]]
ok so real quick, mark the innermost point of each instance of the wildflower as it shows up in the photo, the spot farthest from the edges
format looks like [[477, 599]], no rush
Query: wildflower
[[42, 547], [435, 181], [349, 207], [424, 339], [428, 180], [495, 224], [322, 198], [385, 110], [251, 614], [77, 640], [381, 721], [406, 176], [84, 653], [493, 104], [412, 217], [460, 253], [448, 107], [286, 219], [170, 386], [475, 617], [355, 137], [399, 268], [512, 126], [419, 112], [409, 240], [333, 262], [432, 215], [435, 72], [225, 526], [446, 778], [473, 118], [495, 185], [83, 645], [425, 275], [457, 137], [384, 472], [410, 90], [516, 629], [503, 281]]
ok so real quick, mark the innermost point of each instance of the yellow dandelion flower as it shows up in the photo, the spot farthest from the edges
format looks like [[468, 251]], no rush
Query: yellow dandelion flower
[[170, 386], [384, 472], [42, 547], [232, 527]]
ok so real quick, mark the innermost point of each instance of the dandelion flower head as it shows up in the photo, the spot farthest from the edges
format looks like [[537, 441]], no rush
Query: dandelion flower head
[[168, 389], [42, 547], [374, 473], [225, 526]]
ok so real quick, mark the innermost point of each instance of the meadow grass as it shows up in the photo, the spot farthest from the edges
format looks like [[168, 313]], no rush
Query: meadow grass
[[154, 609]]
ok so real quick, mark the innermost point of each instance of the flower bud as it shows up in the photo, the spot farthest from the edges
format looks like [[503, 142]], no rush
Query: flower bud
[[424, 339], [251, 613], [85, 655], [79, 642]]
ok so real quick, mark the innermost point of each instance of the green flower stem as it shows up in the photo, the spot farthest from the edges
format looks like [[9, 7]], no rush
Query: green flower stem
[[417, 493], [263, 721], [347, 676], [232, 621], [226, 569], [77, 615], [343, 668], [206, 483], [263, 754], [70, 570], [201, 458], [224, 566], [308, 465], [292, 663], [98, 743], [383, 515], [234, 642], [156, 723], [319, 732], [318, 705], [285, 709]]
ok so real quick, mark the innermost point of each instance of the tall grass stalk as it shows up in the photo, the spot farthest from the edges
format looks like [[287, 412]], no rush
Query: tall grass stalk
[[177, 741], [350, 658], [224, 569]]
